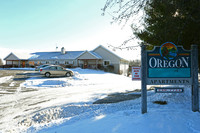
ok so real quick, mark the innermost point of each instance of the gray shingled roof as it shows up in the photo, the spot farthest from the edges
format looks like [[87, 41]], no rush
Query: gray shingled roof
[[58, 55]]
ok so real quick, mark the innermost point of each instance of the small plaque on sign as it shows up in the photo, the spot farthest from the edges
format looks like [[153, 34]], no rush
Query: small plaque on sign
[[168, 90]]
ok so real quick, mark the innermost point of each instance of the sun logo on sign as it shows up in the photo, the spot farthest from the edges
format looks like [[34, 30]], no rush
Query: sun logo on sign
[[168, 51]]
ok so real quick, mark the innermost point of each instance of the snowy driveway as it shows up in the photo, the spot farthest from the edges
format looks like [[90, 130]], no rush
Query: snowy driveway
[[36, 94], [49, 105]]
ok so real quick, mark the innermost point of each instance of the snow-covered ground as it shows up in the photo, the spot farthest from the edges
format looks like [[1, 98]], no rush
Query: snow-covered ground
[[65, 105], [5, 79]]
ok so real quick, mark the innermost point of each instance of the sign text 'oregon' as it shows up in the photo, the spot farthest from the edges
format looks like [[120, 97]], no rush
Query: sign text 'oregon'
[[168, 64]]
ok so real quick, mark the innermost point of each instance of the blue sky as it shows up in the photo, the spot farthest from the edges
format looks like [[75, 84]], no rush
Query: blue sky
[[41, 25]]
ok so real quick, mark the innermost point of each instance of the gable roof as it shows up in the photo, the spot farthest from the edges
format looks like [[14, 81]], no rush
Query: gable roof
[[18, 56], [100, 46], [11, 54], [96, 55], [91, 53]]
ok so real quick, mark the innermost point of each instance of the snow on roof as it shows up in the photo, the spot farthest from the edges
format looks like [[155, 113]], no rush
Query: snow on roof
[[55, 55], [20, 55], [58, 55], [74, 54], [122, 56], [125, 54]]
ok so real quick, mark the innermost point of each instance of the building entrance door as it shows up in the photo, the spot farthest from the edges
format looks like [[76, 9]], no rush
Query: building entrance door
[[23, 64]]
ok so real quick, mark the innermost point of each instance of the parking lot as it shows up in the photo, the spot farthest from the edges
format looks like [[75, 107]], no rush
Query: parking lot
[[13, 79], [17, 100]]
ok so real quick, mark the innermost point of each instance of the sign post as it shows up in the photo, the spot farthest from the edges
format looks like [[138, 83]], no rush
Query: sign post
[[169, 64], [144, 78], [195, 83]]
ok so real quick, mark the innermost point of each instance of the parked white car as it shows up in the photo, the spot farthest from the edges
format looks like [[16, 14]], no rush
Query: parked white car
[[41, 66], [56, 71]]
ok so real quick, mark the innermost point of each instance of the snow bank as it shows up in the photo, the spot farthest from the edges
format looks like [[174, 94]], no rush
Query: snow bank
[[126, 117], [26, 69], [45, 83], [133, 122], [5, 79]]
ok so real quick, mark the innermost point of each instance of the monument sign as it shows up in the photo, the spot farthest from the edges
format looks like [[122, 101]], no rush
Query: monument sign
[[169, 64]]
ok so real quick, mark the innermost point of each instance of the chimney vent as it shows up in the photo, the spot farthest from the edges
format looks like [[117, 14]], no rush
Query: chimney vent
[[62, 50]]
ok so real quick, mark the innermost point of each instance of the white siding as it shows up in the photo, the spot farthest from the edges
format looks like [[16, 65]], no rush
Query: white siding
[[75, 63], [86, 55], [124, 68], [108, 56], [43, 62], [12, 62]]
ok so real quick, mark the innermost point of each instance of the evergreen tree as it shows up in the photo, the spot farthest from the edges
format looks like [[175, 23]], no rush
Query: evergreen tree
[[176, 21], [171, 20]]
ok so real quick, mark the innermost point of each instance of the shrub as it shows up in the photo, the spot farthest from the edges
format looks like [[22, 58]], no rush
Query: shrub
[[109, 68]]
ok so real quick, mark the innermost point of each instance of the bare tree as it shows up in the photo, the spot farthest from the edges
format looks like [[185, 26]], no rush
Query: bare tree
[[1, 62], [124, 12]]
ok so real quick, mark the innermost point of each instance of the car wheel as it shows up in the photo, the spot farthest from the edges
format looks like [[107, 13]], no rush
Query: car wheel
[[47, 75], [68, 74]]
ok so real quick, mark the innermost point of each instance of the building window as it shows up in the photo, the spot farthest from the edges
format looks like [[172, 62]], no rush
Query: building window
[[69, 62], [106, 63], [47, 62], [66, 63]]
